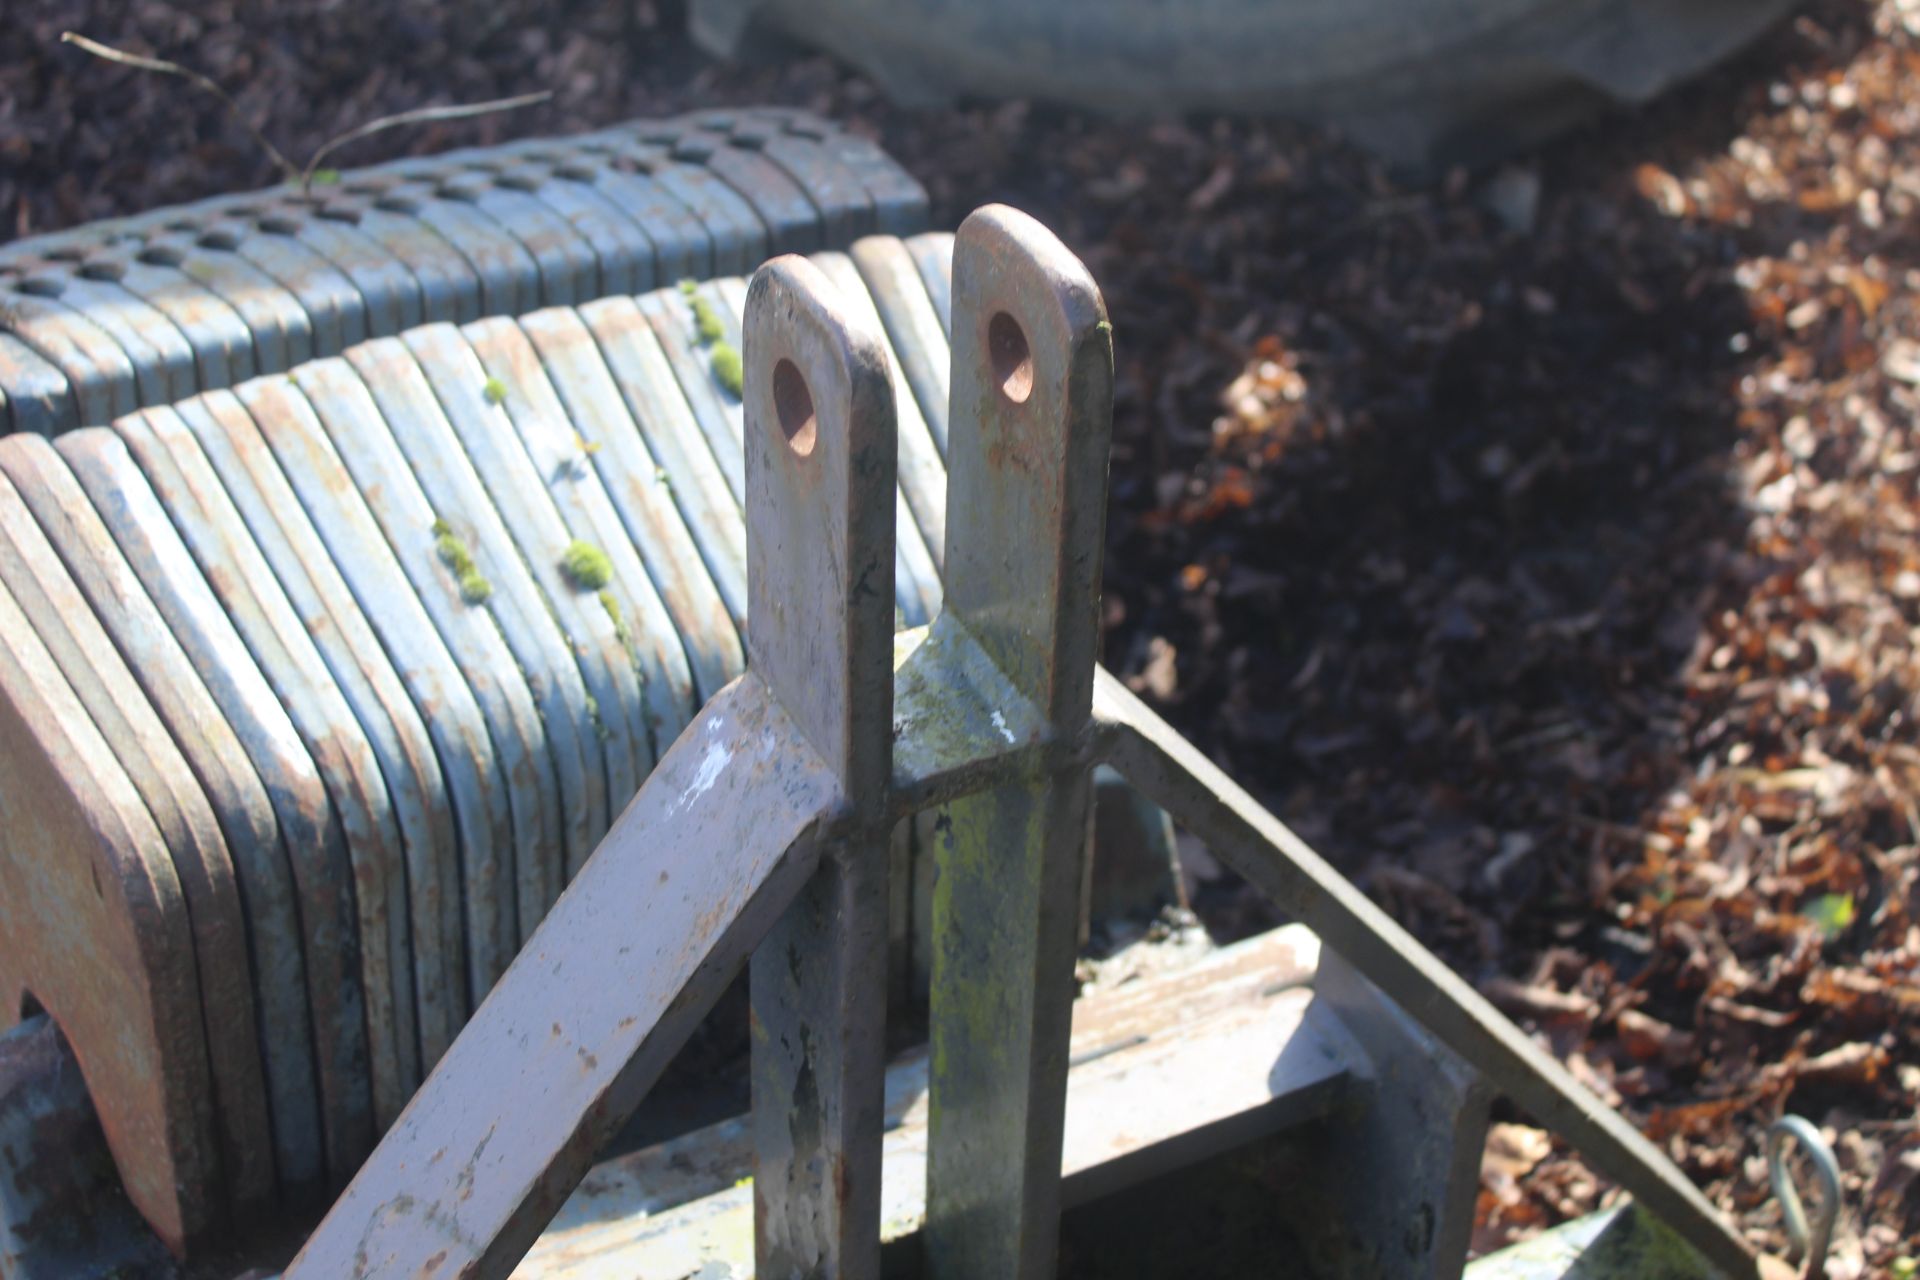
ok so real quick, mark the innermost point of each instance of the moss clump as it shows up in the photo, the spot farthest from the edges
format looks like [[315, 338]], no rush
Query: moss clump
[[586, 565], [453, 553], [688, 286], [706, 323], [727, 369], [495, 391]]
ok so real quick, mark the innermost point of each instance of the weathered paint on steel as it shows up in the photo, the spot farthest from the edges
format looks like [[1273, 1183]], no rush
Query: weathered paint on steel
[[507, 275], [496, 860], [225, 430], [918, 334], [821, 442], [933, 255], [837, 194], [923, 477], [221, 343], [687, 470], [673, 327], [567, 269], [87, 898], [1029, 434], [92, 363], [199, 509], [333, 304], [916, 578], [682, 245], [239, 794], [560, 445], [739, 236], [621, 248], [613, 712], [352, 542], [792, 223], [311, 831], [611, 446], [438, 461], [40, 397], [389, 287], [47, 597], [319, 826], [1256, 845], [163, 364], [281, 328], [449, 284], [708, 854]]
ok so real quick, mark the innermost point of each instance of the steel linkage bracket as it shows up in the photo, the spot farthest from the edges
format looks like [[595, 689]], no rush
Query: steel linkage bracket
[[762, 834]]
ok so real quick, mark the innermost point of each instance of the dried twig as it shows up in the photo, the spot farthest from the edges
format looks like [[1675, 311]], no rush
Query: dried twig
[[304, 175], [421, 115], [164, 67]]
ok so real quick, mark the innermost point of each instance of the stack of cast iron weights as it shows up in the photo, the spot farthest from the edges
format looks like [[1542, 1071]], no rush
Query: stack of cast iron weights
[[359, 554]]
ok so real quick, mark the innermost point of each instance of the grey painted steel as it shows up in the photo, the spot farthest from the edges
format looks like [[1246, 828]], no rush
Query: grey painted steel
[[240, 795], [449, 287], [39, 395], [923, 475], [1401, 1175], [281, 328], [933, 254], [506, 273], [916, 576], [47, 596], [917, 332], [560, 445], [98, 371], [612, 446], [88, 901], [163, 363], [321, 814], [698, 866], [622, 250], [472, 232], [282, 611], [310, 829], [836, 192], [739, 237], [225, 430], [446, 476], [567, 269], [714, 410], [1029, 434], [791, 220], [686, 469], [821, 442], [388, 287], [496, 862], [1256, 845], [221, 342], [614, 715], [333, 304]]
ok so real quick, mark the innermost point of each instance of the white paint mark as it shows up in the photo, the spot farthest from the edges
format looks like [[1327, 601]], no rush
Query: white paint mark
[[705, 774], [1000, 723]]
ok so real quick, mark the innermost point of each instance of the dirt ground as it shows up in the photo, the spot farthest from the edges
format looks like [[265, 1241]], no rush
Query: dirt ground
[[1541, 542]]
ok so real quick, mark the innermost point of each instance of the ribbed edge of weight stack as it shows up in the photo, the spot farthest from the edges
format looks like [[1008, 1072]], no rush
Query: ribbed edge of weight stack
[[383, 643], [142, 311]]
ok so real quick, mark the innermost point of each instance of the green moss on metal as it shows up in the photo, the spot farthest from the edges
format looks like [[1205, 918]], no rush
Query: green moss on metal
[[727, 369], [453, 553], [621, 631], [495, 391], [586, 565]]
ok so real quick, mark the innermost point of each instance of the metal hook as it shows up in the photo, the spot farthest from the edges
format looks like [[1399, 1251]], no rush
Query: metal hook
[[1812, 1248]]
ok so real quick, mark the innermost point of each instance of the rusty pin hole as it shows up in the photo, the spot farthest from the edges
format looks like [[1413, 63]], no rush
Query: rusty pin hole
[[1011, 356], [793, 405]]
